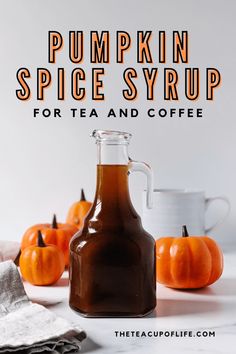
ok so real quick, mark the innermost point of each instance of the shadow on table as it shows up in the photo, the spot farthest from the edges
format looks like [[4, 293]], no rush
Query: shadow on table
[[168, 307], [62, 282], [223, 287], [88, 346]]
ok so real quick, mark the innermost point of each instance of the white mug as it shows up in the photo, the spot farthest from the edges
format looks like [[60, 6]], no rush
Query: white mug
[[173, 208]]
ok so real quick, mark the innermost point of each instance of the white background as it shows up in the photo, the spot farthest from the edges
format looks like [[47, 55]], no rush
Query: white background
[[45, 162]]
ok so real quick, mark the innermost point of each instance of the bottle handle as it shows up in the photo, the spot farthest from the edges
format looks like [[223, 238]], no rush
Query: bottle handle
[[135, 166]]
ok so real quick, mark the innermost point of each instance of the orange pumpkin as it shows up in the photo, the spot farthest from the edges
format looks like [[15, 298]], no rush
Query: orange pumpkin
[[188, 262], [42, 264], [55, 234], [78, 211]]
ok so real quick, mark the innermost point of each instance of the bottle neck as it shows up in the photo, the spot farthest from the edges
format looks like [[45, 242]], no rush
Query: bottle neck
[[112, 185], [112, 207], [112, 154], [112, 174]]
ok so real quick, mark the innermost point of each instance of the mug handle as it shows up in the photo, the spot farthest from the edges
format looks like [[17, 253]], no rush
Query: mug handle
[[209, 201]]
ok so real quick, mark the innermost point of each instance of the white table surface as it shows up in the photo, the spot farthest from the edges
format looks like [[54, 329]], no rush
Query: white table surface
[[208, 309]]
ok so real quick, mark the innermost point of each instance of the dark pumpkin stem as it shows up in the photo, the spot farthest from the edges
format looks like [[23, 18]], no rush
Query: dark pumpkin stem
[[54, 222], [184, 231], [16, 261], [82, 196], [40, 239]]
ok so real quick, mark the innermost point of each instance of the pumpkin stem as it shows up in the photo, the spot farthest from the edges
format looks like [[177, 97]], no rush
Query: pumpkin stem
[[40, 239], [82, 196], [54, 222], [184, 231]]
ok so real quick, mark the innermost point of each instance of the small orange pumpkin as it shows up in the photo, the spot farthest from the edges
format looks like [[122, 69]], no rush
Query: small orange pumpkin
[[55, 234], [42, 264], [188, 262], [78, 211]]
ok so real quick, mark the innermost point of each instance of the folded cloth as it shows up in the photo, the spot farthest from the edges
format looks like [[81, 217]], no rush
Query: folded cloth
[[9, 250], [26, 327]]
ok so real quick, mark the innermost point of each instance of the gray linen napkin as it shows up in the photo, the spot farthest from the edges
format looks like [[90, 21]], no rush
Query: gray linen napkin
[[26, 327]]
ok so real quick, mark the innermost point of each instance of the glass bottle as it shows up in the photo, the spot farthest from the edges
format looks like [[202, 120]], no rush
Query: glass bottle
[[112, 259]]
